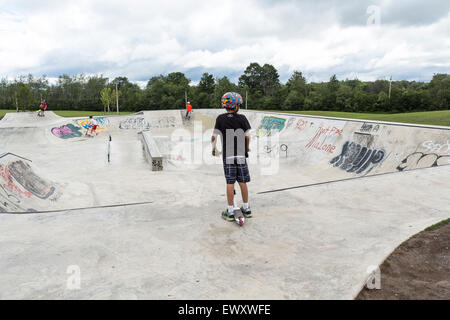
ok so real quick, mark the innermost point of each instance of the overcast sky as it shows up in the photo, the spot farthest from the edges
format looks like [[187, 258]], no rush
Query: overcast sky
[[369, 40]]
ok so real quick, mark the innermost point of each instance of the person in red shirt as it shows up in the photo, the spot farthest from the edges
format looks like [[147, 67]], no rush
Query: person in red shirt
[[188, 110], [42, 108]]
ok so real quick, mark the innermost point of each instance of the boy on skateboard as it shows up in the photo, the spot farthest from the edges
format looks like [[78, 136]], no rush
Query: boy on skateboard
[[234, 130], [188, 111], [93, 127], [42, 108]]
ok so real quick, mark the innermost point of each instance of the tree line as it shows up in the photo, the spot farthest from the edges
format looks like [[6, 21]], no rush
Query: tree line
[[261, 82]]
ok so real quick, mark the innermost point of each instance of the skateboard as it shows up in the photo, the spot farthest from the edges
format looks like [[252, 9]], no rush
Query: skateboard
[[239, 217]]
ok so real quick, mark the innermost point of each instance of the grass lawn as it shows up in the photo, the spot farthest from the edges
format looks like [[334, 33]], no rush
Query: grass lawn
[[69, 113], [437, 118]]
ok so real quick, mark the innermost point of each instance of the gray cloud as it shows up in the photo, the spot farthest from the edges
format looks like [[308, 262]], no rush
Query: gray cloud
[[140, 39]]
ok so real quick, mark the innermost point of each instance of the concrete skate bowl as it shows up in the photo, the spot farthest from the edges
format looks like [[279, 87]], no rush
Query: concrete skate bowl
[[288, 152], [331, 197]]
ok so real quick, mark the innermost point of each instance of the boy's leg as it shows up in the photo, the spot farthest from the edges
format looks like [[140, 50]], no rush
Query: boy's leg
[[228, 214], [230, 177], [230, 194], [244, 191], [243, 177]]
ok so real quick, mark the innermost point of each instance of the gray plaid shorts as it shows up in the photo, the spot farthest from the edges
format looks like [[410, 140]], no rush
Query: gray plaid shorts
[[236, 172]]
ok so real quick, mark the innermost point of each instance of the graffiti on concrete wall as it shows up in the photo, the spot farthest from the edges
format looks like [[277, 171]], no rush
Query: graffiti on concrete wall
[[134, 123], [163, 122], [86, 125], [9, 184], [321, 142], [8, 201], [269, 125], [302, 124], [157, 165], [369, 127], [25, 176], [18, 182], [355, 158], [177, 158], [67, 131], [418, 160], [274, 150], [443, 148], [290, 122]]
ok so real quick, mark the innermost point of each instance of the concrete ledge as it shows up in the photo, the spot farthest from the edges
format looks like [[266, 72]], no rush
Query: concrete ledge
[[151, 150]]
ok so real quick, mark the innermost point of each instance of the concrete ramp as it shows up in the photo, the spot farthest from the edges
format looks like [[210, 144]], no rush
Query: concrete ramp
[[28, 119], [21, 189], [309, 150], [151, 151], [331, 198]]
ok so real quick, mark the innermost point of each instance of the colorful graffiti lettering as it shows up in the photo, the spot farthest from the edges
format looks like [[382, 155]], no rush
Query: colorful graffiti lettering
[[67, 131], [86, 125], [356, 158], [321, 144], [18, 182], [270, 124], [9, 183]]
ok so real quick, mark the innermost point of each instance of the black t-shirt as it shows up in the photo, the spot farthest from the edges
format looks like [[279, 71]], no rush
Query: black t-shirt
[[233, 125]]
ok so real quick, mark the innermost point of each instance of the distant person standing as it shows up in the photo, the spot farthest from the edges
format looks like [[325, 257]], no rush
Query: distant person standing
[[42, 108], [188, 110]]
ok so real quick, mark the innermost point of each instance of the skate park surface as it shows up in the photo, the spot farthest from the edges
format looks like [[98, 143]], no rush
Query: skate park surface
[[331, 198]]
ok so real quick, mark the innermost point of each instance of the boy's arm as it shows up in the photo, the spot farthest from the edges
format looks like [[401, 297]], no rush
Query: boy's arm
[[247, 133], [214, 137], [214, 141]]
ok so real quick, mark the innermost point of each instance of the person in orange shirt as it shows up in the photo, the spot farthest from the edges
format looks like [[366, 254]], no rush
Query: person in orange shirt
[[188, 110]]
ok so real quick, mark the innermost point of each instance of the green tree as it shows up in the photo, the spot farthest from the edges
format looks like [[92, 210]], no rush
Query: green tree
[[331, 93], [223, 85], [24, 96], [204, 94], [92, 88], [440, 90], [294, 92], [344, 98], [166, 92], [130, 94], [252, 78], [270, 82], [107, 96]]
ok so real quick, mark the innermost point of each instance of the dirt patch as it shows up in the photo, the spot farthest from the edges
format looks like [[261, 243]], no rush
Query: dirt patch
[[417, 269]]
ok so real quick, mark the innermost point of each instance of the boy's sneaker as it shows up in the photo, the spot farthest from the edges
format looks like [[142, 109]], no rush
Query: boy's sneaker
[[227, 217], [246, 212]]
